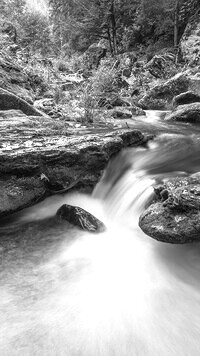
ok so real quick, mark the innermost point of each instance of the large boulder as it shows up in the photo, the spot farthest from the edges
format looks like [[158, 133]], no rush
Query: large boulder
[[10, 101], [80, 218], [185, 98], [186, 113], [31, 146], [174, 215], [161, 95], [189, 43], [161, 65]]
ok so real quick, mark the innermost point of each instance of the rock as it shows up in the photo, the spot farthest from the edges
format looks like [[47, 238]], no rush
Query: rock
[[10, 30], [161, 95], [14, 48], [94, 54], [137, 111], [30, 146], [174, 216], [156, 66], [9, 101], [55, 186], [80, 218], [110, 103], [186, 113], [185, 98], [122, 114], [190, 41], [19, 192], [17, 79], [162, 65], [8, 114], [71, 81], [46, 105]]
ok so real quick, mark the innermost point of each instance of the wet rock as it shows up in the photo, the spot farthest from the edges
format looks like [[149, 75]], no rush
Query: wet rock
[[32, 145], [19, 192], [174, 215], [9, 101], [80, 218], [161, 95], [185, 98], [122, 114], [186, 113]]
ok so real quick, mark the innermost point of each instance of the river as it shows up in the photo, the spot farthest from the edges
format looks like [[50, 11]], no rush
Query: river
[[64, 292]]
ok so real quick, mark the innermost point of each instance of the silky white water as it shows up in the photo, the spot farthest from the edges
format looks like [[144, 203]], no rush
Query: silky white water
[[118, 293]]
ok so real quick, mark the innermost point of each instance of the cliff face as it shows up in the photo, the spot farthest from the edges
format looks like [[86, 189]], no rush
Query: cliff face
[[190, 42]]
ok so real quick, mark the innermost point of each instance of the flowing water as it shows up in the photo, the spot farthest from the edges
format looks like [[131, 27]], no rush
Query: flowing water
[[64, 292]]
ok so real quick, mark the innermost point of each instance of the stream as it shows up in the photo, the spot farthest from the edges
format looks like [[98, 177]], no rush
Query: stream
[[65, 292]]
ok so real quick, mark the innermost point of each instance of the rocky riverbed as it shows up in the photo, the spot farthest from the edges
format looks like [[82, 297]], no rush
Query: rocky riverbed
[[35, 146]]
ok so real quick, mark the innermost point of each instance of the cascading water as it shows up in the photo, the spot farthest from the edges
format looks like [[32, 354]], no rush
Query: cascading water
[[118, 293]]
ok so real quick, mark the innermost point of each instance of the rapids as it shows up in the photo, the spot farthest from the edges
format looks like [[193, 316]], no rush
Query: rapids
[[64, 292]]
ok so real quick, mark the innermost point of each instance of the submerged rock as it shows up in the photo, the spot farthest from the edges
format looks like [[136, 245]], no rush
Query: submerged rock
[[186, 113], [174, 215], [80, 218]]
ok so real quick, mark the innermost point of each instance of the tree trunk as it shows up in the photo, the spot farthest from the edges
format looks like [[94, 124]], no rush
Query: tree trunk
[[110, 41], [176, 23], [113, 26]]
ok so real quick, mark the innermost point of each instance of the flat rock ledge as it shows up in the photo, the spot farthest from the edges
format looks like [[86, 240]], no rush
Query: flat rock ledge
[[31, 146], [174, 214]]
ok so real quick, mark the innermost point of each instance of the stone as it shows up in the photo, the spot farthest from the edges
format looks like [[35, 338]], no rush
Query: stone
[[110, 103], [94, 54], [10, 30], [190, 41], [32, 145], [80, 218], [9, 101], [185, 98], [46, 105], [156, 66], [122, 114], [161, 95], [174, 214], [186, 113]]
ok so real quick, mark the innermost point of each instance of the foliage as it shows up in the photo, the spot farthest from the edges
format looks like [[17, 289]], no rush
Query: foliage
[[33, 30], [36, 33]]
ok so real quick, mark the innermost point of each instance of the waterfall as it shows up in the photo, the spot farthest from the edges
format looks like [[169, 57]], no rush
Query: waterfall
[[118, 293]]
